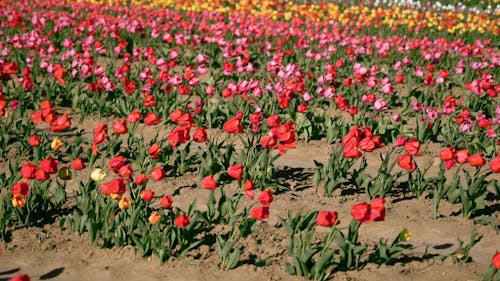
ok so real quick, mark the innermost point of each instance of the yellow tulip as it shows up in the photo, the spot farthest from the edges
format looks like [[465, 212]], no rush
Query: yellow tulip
[[124, 203], [98, 174], [18, 201], [154, 218], [56, 144]]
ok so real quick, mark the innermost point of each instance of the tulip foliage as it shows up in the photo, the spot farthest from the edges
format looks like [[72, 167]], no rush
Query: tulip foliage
[[106, 107]]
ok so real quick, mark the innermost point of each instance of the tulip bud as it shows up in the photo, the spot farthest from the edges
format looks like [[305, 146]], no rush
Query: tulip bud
[[405, 235]]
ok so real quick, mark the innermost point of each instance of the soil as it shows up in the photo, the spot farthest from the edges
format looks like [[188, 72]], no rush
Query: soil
[[48, 253]]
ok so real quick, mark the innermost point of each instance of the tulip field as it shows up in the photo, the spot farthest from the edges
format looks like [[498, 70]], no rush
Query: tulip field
[[256, 140]]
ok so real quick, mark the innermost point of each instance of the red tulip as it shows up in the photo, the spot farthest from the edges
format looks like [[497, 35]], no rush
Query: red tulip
[[260, 212], [462, 156], [147, 195], [327, 218], [100, 133], [178, 136], [406, 162], [182, 221], [34, 140], [249, 185], [157, 174], [250, 194], [125, 171], [116, 186], [60, 124], [495, 261], [20, 188], [7, 69], [447, 154], [41, 175], [367, 144], [361, 212], [141, 179], [234, 125], [351, 151], [77, 164], [134, 116], [377, 209], [151, 119], [476, 160], [208, 182], [412, 147], [28, 171], [120, 126], [266, 197], [449, 164], [268, 142], [154, 151], [117, 162], [20, 277], [495, 165], [236, 171], [200, 135], [400, 141], [302, 108], [59, 73], [49, 165], [273, 121], [176, 115], [166, 201], [37, 117]]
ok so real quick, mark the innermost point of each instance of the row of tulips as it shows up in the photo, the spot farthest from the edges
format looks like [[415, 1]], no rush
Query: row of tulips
[[360, 16]]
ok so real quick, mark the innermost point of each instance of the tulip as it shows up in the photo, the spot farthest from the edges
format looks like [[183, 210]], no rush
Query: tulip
[[18, 201], [236, 171], [157, 173], [28, 170], [34, 140], [124, 203], [476, 160], [98, 175], [208, 182], [56, 144], [182, 221], [266, 197], [141, 179], [261, 212], [154, 218], [147, 195], [495, 165], [77, 164], [20, 277], [327, 218], [361, 212], [495, 261], [166, 201], [406, 162], [462, 155]]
